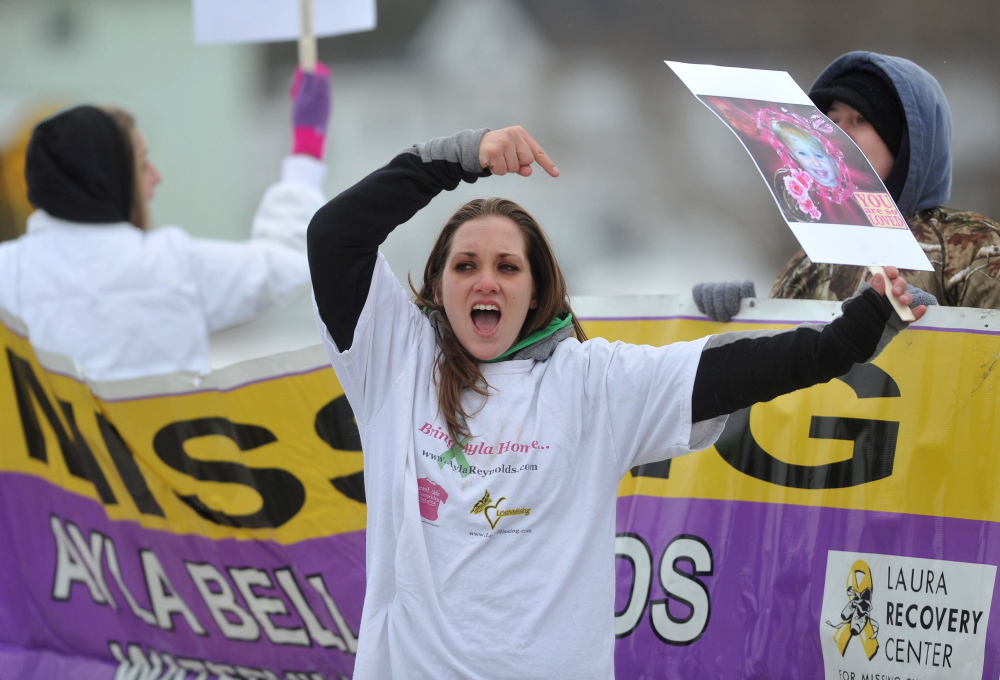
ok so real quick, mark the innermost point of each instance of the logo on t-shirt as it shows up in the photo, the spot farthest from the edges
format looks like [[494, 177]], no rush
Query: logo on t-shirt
[[431, 498], [492, 512]]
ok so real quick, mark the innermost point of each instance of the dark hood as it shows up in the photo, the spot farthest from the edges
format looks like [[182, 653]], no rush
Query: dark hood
[[79, 168], [928, 121]]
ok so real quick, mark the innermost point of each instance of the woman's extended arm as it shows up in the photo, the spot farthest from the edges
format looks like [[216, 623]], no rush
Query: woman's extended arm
[[739, 369], [345, 234]]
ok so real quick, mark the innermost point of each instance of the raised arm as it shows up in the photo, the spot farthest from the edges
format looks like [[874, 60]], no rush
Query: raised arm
[[739, 369], [345, 234], [238, 280]]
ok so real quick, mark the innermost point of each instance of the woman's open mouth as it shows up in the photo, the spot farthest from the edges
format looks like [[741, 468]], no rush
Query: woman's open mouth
[[485, 318]]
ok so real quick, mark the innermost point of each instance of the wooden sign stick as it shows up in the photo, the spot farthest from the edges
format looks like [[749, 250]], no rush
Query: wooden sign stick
[[307, 37], [905, 313]]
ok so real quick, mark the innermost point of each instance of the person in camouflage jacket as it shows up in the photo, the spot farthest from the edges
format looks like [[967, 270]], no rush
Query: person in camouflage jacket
[[905, 106]]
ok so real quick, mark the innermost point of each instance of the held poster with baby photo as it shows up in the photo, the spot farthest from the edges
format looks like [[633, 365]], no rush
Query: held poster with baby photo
[[826, 189]]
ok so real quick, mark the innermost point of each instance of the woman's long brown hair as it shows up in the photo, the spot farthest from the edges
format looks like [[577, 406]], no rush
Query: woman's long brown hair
[[456, 368]]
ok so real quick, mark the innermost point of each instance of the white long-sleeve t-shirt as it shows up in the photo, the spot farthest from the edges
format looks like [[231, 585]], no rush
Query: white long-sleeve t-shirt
[[126, 303], [500, 563]]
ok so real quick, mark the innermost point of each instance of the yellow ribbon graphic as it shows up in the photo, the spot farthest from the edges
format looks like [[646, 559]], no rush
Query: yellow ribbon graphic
[[856, 617]]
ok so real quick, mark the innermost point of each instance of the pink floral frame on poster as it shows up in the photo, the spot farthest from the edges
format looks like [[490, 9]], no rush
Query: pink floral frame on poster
[[798, 185]]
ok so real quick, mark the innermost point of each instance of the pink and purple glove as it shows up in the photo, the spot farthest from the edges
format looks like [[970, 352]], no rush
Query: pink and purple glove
[[310, 111]]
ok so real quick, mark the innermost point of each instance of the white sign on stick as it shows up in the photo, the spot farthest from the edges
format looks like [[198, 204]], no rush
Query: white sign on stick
[[234, 21], [827, 191]]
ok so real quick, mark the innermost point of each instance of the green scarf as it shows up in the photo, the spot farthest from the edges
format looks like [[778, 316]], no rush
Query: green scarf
[[561, 328], [556, 325]]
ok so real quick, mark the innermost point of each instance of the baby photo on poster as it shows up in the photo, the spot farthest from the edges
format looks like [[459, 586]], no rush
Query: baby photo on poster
[[815, 172]]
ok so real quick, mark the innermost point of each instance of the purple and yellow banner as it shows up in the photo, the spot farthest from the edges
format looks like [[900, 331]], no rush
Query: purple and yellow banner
[[213, 527]]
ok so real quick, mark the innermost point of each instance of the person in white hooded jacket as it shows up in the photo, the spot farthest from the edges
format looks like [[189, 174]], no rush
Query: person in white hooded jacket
[[92, 281]]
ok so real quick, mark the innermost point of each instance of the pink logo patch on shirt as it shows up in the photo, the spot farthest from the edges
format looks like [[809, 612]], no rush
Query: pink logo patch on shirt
[[431, 497]]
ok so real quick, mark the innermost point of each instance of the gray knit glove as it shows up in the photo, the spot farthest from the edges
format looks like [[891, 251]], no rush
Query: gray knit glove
[[895, 324], [721, 301], [920, 296]]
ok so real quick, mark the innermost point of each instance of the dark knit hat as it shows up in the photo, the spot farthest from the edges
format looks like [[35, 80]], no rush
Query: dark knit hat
[[873, 97], [78, 167]]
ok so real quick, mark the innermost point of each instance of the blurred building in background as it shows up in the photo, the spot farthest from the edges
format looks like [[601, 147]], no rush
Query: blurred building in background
[[655, 193]]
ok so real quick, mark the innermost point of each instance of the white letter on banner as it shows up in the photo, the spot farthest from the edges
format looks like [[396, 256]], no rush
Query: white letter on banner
[[263, 607], [116, 572], [683, 588], [634, 549], [255, 673], [323, 636], [171, 670], [70, 567], [317, 582], [136, 666], [222, 671], [163, 598], [221, 601], [196, 666], [91, 555]]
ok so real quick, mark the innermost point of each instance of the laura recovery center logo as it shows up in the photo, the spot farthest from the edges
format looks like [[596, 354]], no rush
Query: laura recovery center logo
[[904, 617]]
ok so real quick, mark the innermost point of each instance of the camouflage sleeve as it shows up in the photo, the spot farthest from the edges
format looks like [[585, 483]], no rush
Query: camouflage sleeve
[[793, 281], [964, 248], [983, 288], [803, 279]]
